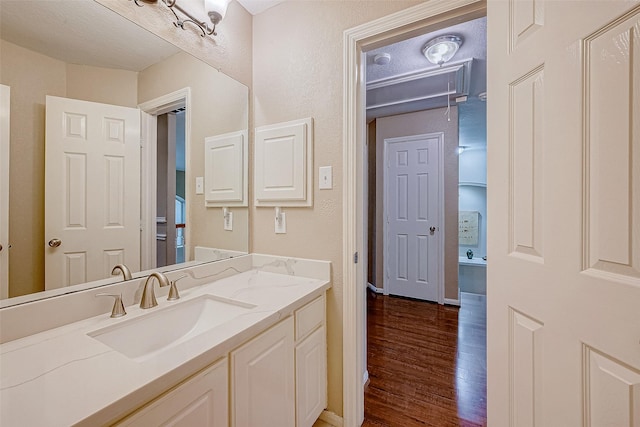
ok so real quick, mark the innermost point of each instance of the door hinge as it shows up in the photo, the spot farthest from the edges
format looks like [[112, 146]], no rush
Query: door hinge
[[355, 258]]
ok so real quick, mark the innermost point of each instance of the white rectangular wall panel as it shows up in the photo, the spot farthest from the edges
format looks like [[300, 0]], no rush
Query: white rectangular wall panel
[[526, 150], [612, 170], [525, 368], [283, 164], [226, 170], [611, 391]]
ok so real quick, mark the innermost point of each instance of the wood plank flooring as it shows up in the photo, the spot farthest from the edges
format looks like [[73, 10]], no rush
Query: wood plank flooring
[[426, 362]]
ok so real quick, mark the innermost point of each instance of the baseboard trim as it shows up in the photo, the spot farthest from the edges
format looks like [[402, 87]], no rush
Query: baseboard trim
[[374, 289], [449, 301], [331, 418]]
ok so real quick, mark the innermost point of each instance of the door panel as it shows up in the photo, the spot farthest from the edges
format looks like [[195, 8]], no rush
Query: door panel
[[92, 190], [563, 167], [412, 205], [4, 190]]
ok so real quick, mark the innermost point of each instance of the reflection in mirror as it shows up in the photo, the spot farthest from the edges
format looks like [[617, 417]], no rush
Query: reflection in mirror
[[79, 204]]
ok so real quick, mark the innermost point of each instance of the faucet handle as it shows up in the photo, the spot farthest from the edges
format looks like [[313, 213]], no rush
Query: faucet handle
[[173, 290], [118, 306]]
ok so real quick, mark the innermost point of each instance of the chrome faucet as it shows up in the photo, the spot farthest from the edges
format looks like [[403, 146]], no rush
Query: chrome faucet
[[148, 294], [124, 269]]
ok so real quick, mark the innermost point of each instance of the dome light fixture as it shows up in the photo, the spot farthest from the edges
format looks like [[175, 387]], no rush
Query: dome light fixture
[[441, 49]]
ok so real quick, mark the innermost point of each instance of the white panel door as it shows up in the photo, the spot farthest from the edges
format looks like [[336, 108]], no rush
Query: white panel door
[[92, 190], [4, 190], [412, 205], [564, 206]]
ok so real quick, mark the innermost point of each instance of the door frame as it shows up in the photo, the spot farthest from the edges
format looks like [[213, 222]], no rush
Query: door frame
[[432, 14], [150, 111], [440, 237], [5, 123]]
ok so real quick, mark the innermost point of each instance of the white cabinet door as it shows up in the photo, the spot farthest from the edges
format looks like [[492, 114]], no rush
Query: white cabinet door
[[202, 401], [311, 378], [263, 379]]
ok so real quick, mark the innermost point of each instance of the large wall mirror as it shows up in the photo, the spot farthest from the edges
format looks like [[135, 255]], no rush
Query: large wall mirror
[[84, 80]]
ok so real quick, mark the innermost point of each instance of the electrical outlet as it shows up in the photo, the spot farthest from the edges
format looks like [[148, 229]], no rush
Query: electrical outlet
[[281, 223], [228, 221]]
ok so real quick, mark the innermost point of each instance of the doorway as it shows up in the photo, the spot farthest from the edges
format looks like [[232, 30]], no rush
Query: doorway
[[171, 197], [357, 41]]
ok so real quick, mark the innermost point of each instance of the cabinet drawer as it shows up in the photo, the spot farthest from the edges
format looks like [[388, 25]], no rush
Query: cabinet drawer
[[309, 317]]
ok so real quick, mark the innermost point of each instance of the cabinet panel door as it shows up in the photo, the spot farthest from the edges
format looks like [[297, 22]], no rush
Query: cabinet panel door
[[311, 378], [201, 401], [263, 379]]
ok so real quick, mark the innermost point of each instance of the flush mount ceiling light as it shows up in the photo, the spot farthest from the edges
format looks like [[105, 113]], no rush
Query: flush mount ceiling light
[[441, 49]]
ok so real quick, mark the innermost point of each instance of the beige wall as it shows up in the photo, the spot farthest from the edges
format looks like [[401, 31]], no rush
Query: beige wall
[[32, 76], [105, 85], [218, 105], [423, 122], [297, 65], [230, 51]]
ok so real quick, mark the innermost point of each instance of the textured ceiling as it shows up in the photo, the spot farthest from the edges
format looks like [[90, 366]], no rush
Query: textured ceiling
[[75, 32], [407, 58], [255, 7]]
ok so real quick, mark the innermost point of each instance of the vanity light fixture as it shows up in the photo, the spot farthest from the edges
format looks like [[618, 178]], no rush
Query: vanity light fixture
[[441, 49], [215, 9]]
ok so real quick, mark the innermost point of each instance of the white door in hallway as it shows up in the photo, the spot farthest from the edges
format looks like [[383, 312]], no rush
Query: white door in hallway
[[92, 190], [412, 211], [564, 207]]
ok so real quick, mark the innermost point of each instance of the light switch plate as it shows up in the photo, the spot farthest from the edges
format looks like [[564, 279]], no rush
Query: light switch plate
[[199, 185], [326, 181]]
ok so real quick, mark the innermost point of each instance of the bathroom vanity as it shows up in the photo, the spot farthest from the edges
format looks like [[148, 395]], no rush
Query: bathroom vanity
[[248, 349]]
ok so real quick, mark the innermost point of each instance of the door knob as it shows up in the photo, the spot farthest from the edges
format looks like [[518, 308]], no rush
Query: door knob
[[432, 230], [54, 243], [0, 247]]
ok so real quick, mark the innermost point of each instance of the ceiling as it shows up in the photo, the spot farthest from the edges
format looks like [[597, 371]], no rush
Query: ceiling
[[255, 7], [66, 30], [408, 62]]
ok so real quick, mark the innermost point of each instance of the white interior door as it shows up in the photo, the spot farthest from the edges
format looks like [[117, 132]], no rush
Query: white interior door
[[4, 190], [92, 190], [564, 207], [412, 204]]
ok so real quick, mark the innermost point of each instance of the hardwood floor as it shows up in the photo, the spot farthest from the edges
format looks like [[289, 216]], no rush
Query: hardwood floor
[[426, 362]]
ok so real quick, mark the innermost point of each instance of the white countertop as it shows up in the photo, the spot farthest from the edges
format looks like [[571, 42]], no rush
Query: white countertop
[[62, 376]]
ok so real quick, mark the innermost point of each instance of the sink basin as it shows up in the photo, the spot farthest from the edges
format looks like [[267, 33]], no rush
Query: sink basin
[[164, 328]]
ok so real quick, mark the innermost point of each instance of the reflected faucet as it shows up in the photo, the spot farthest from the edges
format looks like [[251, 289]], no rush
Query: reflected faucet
[[124, 269], [148, 294]]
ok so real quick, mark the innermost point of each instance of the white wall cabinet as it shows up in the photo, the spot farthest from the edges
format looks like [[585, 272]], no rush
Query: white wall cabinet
[[226, 170], [283, 164], [200, 401], [262, 379]]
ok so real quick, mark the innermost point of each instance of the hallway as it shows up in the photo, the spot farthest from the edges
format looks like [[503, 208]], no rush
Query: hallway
[[426, 362]]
